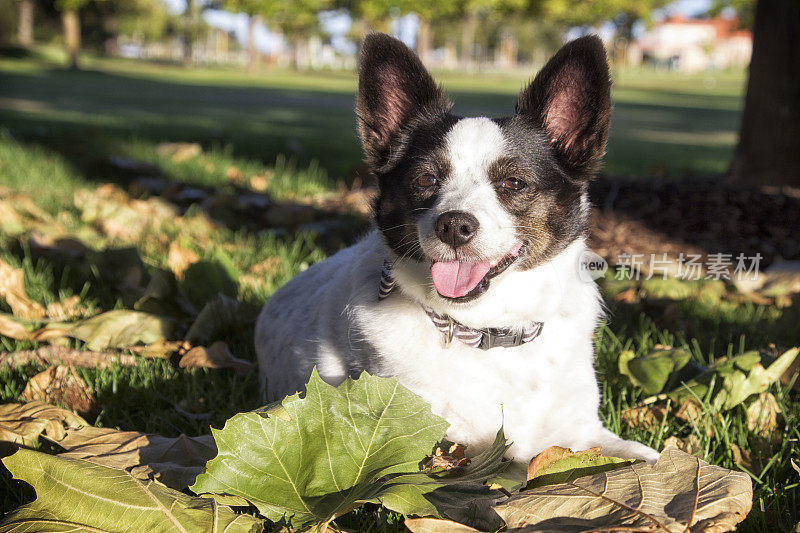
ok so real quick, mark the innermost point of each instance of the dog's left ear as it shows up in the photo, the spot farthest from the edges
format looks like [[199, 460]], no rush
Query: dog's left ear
[[393, 88], [570, 99]]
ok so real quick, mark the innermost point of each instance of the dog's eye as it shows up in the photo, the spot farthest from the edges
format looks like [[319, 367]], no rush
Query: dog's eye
[[425, 181], [513, 184]]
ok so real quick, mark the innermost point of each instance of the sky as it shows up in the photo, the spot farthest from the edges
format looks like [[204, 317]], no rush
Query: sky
[[336, 24]]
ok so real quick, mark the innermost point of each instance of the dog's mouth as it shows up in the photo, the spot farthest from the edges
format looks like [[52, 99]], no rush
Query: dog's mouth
[[466, 280]]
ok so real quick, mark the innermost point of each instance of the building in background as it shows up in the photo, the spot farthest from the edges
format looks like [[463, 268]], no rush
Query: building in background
[[693, 45]]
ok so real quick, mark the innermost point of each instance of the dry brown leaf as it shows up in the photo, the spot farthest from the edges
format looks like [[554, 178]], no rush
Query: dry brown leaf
[[448, 460], [16, 330], [745, 458], [550, 456], [65, 309], [176, 462], [12, 289], [646, 417], [60, 385], [22, 423], [763, 415], [628, 296], [54, 355], [692, 412], [215, 356], [270, 266], [677, 493], [259, 183], [690, 444], [234, 175], [434, 525], [180, 259]]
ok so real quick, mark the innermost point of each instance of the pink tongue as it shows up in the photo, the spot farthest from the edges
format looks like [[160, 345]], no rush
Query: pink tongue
[[456, 278]]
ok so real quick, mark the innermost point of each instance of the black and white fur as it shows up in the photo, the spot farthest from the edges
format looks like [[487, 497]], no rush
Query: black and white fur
[[523, 181]]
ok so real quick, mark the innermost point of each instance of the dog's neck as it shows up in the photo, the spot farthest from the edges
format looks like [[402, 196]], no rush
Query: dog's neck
[[514, 299]]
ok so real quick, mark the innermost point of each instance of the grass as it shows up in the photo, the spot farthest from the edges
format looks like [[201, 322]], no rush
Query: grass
[[297, 130]]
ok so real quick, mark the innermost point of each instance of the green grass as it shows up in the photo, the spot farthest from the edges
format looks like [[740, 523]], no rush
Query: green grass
[[60, 127]]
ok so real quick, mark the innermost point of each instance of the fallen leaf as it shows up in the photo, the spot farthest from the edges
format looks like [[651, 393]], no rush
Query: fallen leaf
[[271, 266], [218, 355], [435, 525], [180, 259], [559, 465], [75, 495], [690, 444], [12, 289], [370, 435], [205, 279], [23, 330], [65, 309], [179, 151], [454, 457], [693, 412], [163, 297], [175, 462], [678, 493], [234, 174], [647, 417], [60, 385], [23, 423], [259, 182], [745, 458], [121, 328], [763, 415], [54, 355], [655, 371], [221, 315]]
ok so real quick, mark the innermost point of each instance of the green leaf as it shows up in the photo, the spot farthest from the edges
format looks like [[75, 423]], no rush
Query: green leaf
[[121, 328], [654, 371], [76, 495], [324, 460], [561, 465], [204, 279]]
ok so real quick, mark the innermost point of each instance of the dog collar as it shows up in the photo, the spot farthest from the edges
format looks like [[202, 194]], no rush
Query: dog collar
[[450, 329]]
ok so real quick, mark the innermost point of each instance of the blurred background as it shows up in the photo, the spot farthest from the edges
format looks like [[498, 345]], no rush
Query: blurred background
[[173, 162]]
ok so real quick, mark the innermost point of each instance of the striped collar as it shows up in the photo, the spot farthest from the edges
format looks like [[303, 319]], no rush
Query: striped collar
[[450, 328]]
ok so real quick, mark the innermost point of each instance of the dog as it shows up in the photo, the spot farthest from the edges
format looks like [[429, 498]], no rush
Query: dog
[[468, 290]]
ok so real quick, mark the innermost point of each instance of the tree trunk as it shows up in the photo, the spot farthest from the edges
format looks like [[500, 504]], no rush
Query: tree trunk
[[424, 40], [300, 46], [252, 53], [25, 23], [468, 27], [72, 35], [769, 140], [188, 31]]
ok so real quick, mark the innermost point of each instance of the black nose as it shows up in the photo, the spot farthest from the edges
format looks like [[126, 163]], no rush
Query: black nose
[[456, 228]]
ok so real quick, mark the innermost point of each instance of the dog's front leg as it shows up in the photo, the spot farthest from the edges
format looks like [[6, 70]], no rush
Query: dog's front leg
[[613, 446]]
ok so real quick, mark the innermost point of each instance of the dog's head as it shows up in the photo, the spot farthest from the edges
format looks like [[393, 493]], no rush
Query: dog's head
[[473, 197]]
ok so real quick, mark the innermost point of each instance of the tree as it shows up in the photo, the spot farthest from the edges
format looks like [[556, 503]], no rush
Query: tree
[[25, 22], [71, 22], [769, 137], [296, 19], [251, 8]]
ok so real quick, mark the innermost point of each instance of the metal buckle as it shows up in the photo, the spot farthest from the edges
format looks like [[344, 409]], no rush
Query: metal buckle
[[500, 339]]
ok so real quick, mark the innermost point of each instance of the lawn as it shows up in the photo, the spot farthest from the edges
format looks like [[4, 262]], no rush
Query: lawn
[[60, 132]]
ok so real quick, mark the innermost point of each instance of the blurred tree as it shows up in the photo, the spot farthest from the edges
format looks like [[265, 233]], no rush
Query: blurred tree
[[70, 19], [744, 9], [429, 13], [472, 11], [251, 8], [144, 20], [25, 22], [297, 20], [624, 14], [769, 137]]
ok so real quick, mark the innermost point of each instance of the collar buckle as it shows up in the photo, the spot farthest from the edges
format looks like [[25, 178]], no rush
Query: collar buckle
[[501, 339]]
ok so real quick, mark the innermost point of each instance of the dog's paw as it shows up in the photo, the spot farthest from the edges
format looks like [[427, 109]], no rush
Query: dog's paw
[[613, 446]]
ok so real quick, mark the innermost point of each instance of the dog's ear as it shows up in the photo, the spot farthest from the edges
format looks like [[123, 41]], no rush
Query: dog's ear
[[570, 99], [393, 88]]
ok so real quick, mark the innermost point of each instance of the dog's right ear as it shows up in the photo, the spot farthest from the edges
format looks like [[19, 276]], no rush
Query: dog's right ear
[[393, 88]]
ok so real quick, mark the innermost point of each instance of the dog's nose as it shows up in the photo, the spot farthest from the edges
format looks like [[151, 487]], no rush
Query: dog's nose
[[456, 228]]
